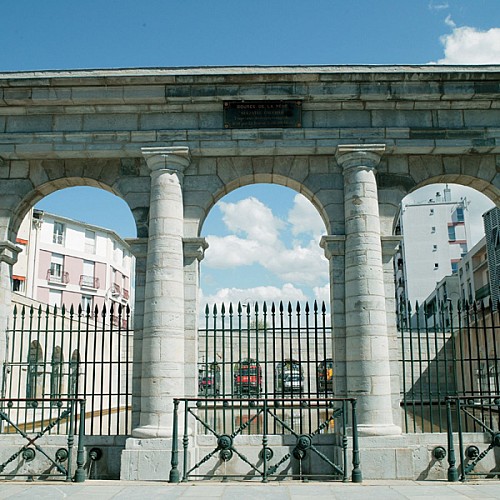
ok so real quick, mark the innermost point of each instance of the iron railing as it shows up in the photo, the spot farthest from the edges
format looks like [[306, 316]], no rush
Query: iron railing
[[473, 415], [69, 416], [276, 351], [225, 457], [89, 281], [54, 277], [448, 352], [56, 354]]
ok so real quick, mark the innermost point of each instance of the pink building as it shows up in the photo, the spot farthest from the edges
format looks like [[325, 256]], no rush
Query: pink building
[[64, 261]]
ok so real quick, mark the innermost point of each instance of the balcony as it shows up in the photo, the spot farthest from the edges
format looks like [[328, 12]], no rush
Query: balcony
[[483, 292], [116, 290], [89, 281], [61, 278], [58, 239], [125, 294]]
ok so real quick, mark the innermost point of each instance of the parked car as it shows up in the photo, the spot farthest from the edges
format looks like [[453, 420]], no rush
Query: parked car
[[209, 380], [324, 371], [247, 377], [289, 376]]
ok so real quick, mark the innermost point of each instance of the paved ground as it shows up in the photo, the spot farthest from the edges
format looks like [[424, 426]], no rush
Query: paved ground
[[372, 490]]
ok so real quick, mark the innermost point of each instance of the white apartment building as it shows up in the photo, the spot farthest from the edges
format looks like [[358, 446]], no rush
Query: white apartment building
[[435, 236], [64, 261]]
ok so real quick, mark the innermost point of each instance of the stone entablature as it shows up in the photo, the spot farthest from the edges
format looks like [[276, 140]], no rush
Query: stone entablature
[[413, 109]]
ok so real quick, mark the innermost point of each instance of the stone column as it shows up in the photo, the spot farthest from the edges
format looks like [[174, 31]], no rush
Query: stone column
[[390, 245], [334, 247], [139, 248], [367, 350], [194, 251], [163, 370], [8, 257]]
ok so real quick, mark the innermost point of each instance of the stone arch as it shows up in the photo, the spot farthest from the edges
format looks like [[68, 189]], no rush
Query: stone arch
[[39, 192], [400, 176], [318, 178]]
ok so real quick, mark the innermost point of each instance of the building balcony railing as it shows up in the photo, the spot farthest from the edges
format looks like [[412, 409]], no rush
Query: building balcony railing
[[60, 278], [58, 239], [89, 281], [483, 292], [116, 290]]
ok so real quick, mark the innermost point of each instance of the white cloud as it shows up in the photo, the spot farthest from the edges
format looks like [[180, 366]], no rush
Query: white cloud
[[250, 216], [304, 218], [322, 294], [269, 294], [438, 6], [261, 239], [468, 45]]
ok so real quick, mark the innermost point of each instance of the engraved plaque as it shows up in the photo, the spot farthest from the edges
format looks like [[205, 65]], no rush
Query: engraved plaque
[[263, 114]]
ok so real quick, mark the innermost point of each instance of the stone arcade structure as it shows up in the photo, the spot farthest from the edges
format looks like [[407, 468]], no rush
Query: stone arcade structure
[[360, 138]]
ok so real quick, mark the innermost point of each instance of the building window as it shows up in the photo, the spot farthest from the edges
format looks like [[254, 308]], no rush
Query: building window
[[74, 373], [433, 229], [18, 283], [58, 235], [88, 279], [451, 233], [56, 272], [454, 267], [87, 303], [89, 241], [55, 298], [460, 214], [56, 374], [436, 265], [434, 248], [431, 211], [34, 377]]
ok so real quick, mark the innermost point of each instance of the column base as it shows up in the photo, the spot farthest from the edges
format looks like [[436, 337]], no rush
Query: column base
[[379, 430], [151, 432], [147, 460]]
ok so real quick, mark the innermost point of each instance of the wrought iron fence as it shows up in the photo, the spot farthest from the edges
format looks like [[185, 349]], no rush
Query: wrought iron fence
[[54, 354], [447, 352], [260, 352], [51, 463], [477, 415], [304, 454]]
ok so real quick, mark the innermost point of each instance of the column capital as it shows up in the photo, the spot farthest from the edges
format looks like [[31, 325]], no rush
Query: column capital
[[359, 155], [333, 245], [167, 158], [138, 246], [390, 244], [195, 247], [8, 252]]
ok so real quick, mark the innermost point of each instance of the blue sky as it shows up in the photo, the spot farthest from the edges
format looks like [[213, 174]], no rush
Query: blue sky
[[60, 34]]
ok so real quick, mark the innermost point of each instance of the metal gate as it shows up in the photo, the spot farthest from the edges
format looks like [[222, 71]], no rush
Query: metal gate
[[267, 372]]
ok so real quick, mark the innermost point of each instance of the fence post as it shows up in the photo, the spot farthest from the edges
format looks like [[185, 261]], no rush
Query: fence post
[[452, 470], [357, 477], [174, 471], [80, 454]]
